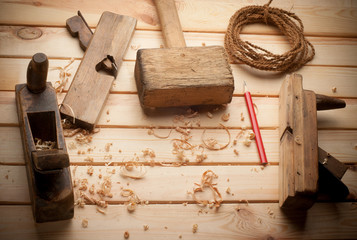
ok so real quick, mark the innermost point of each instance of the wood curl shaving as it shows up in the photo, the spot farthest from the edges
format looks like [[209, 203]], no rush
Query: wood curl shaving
[[207, 182], [212, 143], [63, 76], [44, 145], [133, 199], [152, 132], [133, 169]]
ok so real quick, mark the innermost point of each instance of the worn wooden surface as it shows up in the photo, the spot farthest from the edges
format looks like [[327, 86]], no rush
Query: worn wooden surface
[[181, 76], [92, 82], [30, 27], [299, 149]]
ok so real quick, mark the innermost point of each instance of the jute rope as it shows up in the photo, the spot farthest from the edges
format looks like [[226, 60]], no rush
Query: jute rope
[[301, 50]]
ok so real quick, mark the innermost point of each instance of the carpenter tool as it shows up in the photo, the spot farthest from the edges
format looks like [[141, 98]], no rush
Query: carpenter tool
[[180, 75], [77, 26], [91, 84], [304, 168], [47, 161], [255, 126]]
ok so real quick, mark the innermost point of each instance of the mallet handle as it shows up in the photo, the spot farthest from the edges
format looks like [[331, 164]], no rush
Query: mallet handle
[[170, 23]]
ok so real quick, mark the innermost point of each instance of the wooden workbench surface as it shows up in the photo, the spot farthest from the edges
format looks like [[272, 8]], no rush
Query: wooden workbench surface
[[250, 209]]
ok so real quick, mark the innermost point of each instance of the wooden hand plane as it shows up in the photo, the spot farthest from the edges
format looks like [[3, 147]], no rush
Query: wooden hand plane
[[47, 161], [304, 168], [101, 62]]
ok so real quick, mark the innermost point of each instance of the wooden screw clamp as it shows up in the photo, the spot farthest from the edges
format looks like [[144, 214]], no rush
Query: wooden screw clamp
[[47, 165], [304, 168]]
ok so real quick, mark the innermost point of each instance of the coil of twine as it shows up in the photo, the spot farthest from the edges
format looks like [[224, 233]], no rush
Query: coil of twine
[[301, 50]]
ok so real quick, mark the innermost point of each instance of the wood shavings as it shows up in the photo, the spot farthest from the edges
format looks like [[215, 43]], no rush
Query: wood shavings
[[225, 117], [228, 190], [72, 112], [44, 145], [148, 152], [256, 109], [146, 227], [152, 132], [100, 210], [72, 132], [334, 89], [183, 144], [183, 131], [209, 115], [212, 143], [251, 135], [90, 170], [194, 228], [126, 235], [79, 202], [89, 159], [241, 117], [247, 142], [105, 188], [236, 152], [85, 223], [201, 157], [83, 138], [92, 189], [63, 76], [133, 199], [133, 169], [107, 146], [83, 184], [207, 182]]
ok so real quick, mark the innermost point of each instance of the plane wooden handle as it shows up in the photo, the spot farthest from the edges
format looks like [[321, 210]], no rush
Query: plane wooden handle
[[37, 73], [170, 23]]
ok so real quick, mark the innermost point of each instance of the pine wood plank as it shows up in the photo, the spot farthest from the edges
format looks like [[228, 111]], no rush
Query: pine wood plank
[[57, 43], [130, 114], [252, 221], [320, 18], [339, 143], [316, 78], [167, 184]]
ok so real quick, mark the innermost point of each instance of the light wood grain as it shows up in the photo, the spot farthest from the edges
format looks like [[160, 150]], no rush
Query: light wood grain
[[170, 23], [131, 114], [252, 221], [339, 143], [332, 18], [167, 184], [316, 78], [331, 26], [343, 50]]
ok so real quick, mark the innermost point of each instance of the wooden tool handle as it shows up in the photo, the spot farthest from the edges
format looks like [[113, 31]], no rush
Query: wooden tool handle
[[37, 73], [170, 23]]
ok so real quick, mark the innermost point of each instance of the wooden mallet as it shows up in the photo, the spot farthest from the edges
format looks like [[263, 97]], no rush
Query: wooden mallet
[[180, 75]]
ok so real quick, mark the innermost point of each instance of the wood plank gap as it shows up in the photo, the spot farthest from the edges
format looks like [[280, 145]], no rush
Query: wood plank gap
[[166, 164]]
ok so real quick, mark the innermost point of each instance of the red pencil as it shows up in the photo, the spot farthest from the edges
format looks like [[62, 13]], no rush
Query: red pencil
[[255, 126]]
